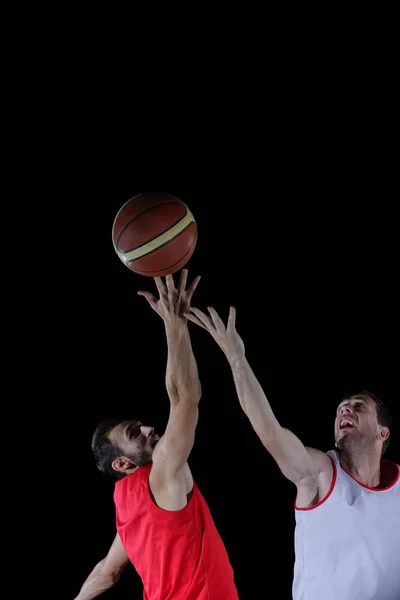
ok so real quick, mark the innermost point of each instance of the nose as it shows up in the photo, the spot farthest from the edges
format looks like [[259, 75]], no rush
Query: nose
[[146, 431], [345, 410]]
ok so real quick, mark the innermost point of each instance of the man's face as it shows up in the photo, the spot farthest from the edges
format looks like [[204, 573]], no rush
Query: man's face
[[137, 441], [356, 422]]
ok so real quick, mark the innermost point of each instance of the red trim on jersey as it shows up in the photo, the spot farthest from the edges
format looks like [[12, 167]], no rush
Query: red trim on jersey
[[328, 493], [390, 464]]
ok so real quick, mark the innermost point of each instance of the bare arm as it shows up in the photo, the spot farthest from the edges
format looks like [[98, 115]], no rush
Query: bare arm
[[182, 378], [106, 573], [296, 462], [184, 391]]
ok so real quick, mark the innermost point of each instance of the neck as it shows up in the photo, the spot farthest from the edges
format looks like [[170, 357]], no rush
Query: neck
[[130, 471], [364, 467]]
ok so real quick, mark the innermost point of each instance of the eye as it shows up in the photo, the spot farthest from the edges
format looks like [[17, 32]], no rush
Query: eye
[[134, 431]]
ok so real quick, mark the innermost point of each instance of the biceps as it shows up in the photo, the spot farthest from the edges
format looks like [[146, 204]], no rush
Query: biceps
[[294, 460], [178, 439]]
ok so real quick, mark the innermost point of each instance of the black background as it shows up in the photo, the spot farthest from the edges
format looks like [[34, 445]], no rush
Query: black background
[[288, 146], [311, 266]]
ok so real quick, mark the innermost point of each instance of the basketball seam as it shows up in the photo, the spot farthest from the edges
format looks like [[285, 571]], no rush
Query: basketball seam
[[169, 266], [162, 245], [141, 213]]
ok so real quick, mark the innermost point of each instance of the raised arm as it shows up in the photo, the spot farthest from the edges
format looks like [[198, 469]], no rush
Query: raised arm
[[182, 379], [297, 462], [106, 573]]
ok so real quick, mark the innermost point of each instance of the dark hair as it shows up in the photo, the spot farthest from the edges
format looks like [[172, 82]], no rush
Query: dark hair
[[104, 451], [382, 413]]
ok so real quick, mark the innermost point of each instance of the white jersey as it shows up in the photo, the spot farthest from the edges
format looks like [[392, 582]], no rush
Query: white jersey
[[347, 547]]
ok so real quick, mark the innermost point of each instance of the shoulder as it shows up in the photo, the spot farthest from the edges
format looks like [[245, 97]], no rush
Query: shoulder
[[390, 473], [133, 480], [311, 490], [323, 460], [161, 477]]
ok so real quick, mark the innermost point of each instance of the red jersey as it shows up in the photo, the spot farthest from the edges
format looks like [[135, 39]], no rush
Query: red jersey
[[179, 555]]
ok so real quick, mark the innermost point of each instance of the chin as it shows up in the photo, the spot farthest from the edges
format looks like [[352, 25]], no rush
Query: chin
[[147, 460], [353, 443]]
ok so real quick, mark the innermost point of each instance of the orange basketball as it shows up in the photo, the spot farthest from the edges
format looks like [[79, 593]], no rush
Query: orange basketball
[[154, 234]]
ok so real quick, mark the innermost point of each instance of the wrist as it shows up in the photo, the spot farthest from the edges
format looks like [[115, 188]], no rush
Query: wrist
[[236, 361], [177, 327]]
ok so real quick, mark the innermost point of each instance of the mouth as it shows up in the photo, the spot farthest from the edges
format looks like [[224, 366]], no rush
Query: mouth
[[346, 424]]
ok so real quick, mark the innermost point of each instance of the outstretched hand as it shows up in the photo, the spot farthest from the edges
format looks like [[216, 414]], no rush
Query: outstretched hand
[[227, 337], [173, 302]]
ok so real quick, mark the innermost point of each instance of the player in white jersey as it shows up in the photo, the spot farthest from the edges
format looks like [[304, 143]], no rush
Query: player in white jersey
[[347, 536]]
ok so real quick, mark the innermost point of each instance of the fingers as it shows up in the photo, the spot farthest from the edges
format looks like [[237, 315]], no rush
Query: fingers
[[181, 289], [182, 281], [204, 320], [172, 296], [170, 283], [175, 297], [194, 319], [192, 287], [152, 300], [231, 318], [160, 287], [219, 325]]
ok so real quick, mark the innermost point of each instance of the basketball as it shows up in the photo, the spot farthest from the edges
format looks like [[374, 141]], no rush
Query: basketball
[[154, 234]]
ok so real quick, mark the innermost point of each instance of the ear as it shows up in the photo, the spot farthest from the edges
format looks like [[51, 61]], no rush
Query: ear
[[384, 433], [122, 463]]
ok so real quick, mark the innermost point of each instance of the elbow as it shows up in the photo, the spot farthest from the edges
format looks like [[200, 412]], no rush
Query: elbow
[[188, 393], [110, 579], [194, 391], [107, 577]]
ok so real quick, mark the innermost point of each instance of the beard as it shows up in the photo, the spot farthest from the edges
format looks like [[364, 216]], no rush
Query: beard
[[141, 459], [145, 457], [356, 444]]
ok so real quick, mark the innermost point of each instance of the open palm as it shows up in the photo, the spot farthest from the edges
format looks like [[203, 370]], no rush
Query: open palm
[[173, 302], [227, 337]]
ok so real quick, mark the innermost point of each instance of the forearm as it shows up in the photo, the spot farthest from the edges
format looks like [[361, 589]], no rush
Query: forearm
[[96, 583], [182, 377], [253, 400]]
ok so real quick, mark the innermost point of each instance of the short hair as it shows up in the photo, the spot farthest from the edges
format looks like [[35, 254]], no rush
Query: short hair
[[104, 450], [382, 413]]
